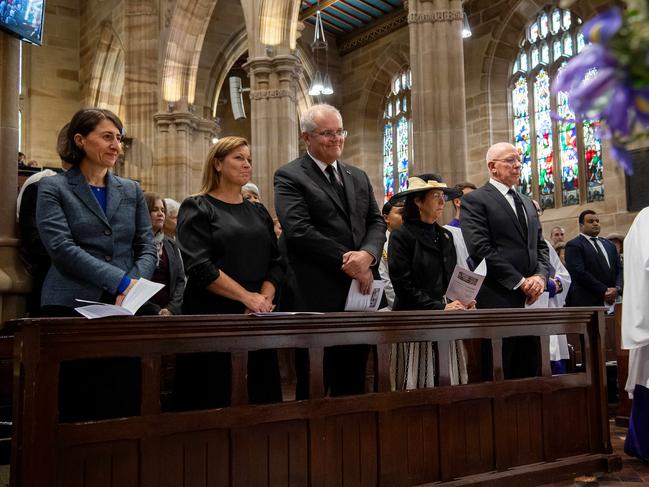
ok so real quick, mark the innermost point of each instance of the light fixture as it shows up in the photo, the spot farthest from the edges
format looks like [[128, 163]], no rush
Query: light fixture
[[170, 106], [320, 85], [466, 28], [214, 140]]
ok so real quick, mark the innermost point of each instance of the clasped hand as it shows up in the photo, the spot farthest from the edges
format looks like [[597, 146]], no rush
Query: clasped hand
[[258, 303], [356, 264], [533, 287]]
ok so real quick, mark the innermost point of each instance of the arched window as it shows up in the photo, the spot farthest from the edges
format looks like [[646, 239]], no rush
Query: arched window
[[397, 130], [551, 150]]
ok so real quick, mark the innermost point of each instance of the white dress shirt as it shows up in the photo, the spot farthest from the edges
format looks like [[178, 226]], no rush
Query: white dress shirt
[[323, 168], [599, 244]]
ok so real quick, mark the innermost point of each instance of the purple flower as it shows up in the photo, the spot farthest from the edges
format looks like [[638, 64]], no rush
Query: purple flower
[[616, 111], [574, 72], [622, 156], [601, 28]]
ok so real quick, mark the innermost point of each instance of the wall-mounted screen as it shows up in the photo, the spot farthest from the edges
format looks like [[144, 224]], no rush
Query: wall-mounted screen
[[23, 18]]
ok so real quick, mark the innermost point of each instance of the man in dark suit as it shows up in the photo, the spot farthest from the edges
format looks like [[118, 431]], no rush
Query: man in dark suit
[[594, 265], [502, 226], [334, 233]]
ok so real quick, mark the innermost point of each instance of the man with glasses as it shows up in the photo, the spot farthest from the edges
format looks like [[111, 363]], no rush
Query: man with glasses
[[502, 226], [334, 233]]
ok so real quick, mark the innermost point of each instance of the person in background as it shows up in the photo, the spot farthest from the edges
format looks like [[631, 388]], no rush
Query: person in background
[[393, 216], [32, 252], [169, 266], [233, 266], [171, 218], [558, 285], [95, 226], [465, 187], [250, 191], [560, 249], [618, 241], [421, 257], [557, 236], [594, 265]]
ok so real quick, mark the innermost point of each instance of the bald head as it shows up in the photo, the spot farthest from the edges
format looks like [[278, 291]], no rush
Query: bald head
[[504, 163], [496, 151]]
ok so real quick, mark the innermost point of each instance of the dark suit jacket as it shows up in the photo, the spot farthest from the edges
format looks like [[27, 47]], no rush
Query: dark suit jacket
[[176, 282], [590, 277], [492, 232], [318, 230], [92, 250]]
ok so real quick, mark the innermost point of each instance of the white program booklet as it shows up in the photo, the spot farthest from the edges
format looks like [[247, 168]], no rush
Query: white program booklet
[[356, 301], [464, 284], [140, 293]]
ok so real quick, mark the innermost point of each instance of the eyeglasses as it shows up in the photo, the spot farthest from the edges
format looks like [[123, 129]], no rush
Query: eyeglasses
[[330, 134], [510, 160], [439, 196]]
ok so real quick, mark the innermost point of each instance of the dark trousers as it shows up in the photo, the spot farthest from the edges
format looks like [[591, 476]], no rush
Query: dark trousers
[[343, 370]]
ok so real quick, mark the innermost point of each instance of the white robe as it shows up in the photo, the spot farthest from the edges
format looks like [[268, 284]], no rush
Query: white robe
[[558, 343], [635, 305]]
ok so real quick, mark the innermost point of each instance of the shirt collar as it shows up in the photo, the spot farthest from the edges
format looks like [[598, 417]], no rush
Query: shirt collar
[[588, 236], [503, 188], [322, 165]]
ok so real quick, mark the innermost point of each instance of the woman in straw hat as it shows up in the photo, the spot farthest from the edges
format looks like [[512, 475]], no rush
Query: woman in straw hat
[[421, 259]]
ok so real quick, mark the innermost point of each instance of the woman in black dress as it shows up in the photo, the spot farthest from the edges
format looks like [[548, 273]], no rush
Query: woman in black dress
[[421, 259], [233, 266]]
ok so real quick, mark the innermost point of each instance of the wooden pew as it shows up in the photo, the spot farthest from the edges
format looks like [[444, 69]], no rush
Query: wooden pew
[[500, 433]]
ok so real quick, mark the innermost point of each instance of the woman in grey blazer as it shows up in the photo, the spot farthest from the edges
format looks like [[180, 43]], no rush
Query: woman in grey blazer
[[95, 227]]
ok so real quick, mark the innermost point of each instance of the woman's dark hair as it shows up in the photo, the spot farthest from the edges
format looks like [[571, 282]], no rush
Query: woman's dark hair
[[410, 208], [83, 122], [151, 198]]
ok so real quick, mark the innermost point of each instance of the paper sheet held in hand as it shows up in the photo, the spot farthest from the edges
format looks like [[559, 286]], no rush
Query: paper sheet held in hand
[[140, 293], [464, 284], [356, 301]]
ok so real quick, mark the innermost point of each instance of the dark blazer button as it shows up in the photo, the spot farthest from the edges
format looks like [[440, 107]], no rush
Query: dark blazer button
[[107, 232], [107, 258]]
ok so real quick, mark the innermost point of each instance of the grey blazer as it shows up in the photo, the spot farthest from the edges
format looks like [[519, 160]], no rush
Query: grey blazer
[[92, 250]]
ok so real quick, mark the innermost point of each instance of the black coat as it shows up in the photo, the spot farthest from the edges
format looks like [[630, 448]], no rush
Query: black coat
[[590, 276], [319, 229], [420, 267], [491, 231]]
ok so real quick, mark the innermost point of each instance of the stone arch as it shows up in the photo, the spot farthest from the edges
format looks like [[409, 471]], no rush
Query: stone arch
[[234, 49], [187, 28], [107, 75], [370, 105]]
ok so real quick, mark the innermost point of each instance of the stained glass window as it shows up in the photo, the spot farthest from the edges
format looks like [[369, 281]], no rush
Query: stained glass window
[[520, 101], [397, 135], [561, 160]]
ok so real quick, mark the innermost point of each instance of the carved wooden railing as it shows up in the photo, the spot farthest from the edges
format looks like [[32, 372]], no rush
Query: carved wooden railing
[[497, 433]]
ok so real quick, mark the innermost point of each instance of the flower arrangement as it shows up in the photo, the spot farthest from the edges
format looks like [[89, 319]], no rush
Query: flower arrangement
[[609, 79]]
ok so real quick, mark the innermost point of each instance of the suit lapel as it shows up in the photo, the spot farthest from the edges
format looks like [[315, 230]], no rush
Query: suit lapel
[[588, 243], [314, 172], [115, 195], [350, 190], [502, 201], [529, 207], [82, 190]]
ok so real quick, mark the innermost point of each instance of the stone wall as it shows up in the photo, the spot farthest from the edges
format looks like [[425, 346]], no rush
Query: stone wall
[[365, 78], [51, 81]]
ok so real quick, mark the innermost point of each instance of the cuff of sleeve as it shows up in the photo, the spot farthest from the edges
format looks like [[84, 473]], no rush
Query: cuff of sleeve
[[123, 284], [552, 287], [519, 283], [204, 274]]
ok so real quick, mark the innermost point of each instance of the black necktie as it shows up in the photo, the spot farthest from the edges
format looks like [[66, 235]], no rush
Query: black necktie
[[336, 184], [520, 210], [600, 253]]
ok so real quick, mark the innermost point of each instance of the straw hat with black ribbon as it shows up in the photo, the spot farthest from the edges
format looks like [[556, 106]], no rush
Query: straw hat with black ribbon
[[423, 183]]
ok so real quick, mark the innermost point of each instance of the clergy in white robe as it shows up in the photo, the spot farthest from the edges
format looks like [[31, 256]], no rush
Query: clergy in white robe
[[555, 297], [635, 332]]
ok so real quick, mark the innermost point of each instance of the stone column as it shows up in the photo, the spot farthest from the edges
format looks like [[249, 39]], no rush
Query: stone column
[[141, 88], [183, 141], [437, 93], [273, 118], [14, 282]]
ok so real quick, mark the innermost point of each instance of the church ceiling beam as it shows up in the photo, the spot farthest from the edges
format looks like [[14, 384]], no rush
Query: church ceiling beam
[[305, 14]]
